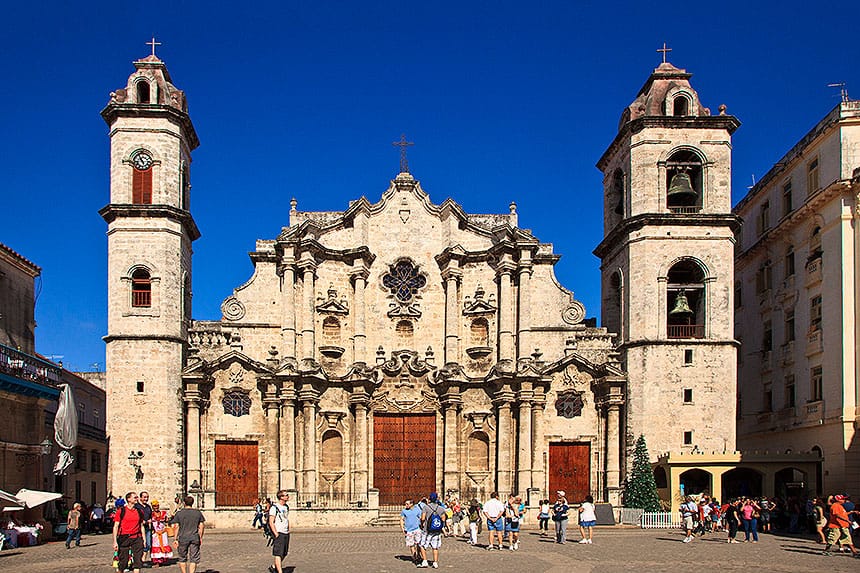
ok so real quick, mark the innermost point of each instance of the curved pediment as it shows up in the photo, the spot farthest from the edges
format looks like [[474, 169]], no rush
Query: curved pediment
[[207, 367]]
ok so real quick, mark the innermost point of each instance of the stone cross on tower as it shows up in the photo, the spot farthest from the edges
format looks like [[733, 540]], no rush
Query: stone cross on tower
[[665, 51], [153, 43], [403, 145]]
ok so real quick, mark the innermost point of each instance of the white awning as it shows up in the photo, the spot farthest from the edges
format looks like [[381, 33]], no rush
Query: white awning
[[33, 498], [6, 497]]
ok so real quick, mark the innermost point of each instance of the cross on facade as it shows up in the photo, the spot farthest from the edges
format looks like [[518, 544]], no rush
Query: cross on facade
[[403, 144], [665, 51], [153, 43]]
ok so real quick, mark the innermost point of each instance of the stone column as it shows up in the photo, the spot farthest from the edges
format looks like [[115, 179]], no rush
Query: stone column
[[360, 473], [451, 276], [525, 343], [451, 407], [192, 413], [613, 452], [287, 430], [506, 312], [309, 463], [524, 460], [288, 308], [504, 439], [359, 341], [308, 267], [272, 459], [538, 446]]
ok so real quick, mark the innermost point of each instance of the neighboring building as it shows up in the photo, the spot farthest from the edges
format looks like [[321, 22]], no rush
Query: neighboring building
[[29, 388], [796, 301]]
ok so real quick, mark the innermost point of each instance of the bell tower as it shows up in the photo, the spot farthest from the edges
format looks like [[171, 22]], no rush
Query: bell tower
[[667, 265], [150, 232]]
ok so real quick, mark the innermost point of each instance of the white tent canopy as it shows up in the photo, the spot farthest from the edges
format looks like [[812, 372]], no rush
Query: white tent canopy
[[6, 497], [33, 498]]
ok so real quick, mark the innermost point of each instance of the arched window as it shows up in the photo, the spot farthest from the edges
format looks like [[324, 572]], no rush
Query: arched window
[[680, 106], [331, 330], [480, 332], [684, 178], [404, 331], [479, 452], [141, 289], [685, 300], [141, 178], [331, 454], [236, 403], [143, 91], [613, 320]]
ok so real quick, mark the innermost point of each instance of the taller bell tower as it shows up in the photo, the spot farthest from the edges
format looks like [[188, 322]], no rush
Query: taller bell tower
[[667, 265], [150, 233]]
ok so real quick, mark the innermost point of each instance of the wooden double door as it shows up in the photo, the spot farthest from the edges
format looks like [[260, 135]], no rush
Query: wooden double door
[[404, 456], [236, 477], [570, 470]]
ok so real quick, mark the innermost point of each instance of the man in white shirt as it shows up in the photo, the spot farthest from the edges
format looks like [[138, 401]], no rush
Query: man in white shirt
[[279, 523], [494, 512], [689, 509]]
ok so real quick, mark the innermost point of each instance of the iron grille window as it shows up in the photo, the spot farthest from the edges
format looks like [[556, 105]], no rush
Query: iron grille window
[[236, 403], [404, 281]]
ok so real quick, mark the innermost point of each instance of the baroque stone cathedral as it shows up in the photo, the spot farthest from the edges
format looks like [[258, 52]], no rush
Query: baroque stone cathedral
[[400, 346]]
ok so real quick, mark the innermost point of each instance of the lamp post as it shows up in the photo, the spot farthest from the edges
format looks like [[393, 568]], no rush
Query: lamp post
[[133, 459]]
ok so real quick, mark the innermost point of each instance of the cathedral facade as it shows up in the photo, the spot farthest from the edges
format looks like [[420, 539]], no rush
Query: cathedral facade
[[401, 346]]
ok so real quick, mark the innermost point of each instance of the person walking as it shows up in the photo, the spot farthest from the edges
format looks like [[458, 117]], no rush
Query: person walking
[[749, 515], [838, 531], [513, 517], [474, 515], [689, 512], [559, 516], [258, 514], [128, 533], [189, 535], [410, 522], [733, 520], [73, 526], [279, 523], [587, 519], [494, 513], [432, 524]]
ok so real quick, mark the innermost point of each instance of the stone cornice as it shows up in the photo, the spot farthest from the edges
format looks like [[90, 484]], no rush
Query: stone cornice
[[114, 210], [114, 110], [637, 222]]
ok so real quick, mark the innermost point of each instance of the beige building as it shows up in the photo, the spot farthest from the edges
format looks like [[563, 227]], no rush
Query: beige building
[[796, 302]]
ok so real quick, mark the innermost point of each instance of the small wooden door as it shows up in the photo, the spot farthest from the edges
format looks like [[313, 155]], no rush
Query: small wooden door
[[404, 456], [236, 478], [570, 470]]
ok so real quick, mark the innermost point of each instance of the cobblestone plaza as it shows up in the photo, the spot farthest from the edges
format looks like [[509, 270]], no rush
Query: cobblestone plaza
[[375, 550]]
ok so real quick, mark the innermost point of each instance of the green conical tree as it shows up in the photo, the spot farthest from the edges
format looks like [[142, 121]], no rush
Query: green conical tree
[[641, 489]]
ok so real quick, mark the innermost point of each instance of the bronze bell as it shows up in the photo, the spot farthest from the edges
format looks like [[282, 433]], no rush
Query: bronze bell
[[681, 305], [681, 187]]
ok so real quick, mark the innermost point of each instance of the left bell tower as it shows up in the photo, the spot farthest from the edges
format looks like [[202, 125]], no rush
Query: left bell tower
[[150, 234]]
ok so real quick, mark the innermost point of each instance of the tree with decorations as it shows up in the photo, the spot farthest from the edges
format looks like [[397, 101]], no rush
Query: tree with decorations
[[641, 489]]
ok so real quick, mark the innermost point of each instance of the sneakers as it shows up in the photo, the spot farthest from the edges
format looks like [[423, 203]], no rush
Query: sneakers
[[589, 542], [583, 541], [422, 565], [687, 539], [490, 547], [435, 565]]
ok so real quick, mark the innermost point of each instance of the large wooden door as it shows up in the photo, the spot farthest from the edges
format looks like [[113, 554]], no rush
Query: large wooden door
[[404, 456], [570, 470], [236, 478]]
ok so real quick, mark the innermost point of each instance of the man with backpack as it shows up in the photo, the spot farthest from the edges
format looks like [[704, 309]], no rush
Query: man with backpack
[[432, 524], [127, 533]]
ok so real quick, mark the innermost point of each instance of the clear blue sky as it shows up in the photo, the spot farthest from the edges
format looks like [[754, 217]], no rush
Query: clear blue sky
[[504, 100]]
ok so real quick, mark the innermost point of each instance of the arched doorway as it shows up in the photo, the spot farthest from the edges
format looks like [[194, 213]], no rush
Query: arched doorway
[[695, 481], [741, 482], [789, 482]]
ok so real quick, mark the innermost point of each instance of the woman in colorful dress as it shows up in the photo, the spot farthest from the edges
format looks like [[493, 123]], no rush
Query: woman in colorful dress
[[161, 549]]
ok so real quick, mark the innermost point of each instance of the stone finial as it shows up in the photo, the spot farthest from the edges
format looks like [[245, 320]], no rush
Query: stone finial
[[513, 208], [380, 355], [722, 109]]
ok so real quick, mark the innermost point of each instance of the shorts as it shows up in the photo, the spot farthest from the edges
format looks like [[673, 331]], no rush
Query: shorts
[[514, 526], [688, 522], [413, 538], [838, 535], [496, 524], [431, 540], [281, 545], [591, 523], [189, 551]]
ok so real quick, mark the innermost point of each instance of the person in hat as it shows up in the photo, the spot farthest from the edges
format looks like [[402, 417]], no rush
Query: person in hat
[[559, 516], [433, 519], [161, 549]]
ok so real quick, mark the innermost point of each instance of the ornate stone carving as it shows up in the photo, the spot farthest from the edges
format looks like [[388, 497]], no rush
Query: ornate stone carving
[[574, 313], [233, 309], [479, 305], [403, 281], [570, 404], [331, 305]]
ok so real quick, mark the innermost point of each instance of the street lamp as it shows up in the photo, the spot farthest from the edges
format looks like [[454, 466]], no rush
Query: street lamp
[[46, 446], [133, 458]]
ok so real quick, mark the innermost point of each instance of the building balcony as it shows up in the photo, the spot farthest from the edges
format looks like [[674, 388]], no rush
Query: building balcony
[[814, 343], [813, 272], [686, 331], [25, 374], [786, 354]]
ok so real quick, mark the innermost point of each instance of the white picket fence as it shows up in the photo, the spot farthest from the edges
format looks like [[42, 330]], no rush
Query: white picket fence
[[660, 520]]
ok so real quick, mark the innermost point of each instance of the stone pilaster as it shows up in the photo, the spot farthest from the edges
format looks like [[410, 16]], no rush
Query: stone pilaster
[[524, 457], [504, 442], [538, 445], [361, 481], [359, 276], [193, 403], [272, 458], [452, 275], [287, 430], [309, 400], [524, 339], [308, 267], [288, 307], [451, 404], [506, 311]]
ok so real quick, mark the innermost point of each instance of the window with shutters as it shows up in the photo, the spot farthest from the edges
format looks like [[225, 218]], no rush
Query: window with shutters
[[786, 198], [815, 379], [815, 313], [141, 186], [812, 176]]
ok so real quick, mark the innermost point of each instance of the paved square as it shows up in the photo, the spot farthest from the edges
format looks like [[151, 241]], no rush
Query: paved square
[[372, 549]]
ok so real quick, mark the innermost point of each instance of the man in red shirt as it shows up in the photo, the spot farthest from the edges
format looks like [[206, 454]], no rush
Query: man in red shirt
[[838, 526], [127, 536]]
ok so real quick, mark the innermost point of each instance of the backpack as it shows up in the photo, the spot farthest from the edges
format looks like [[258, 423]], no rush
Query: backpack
[[122, 515], [435, 524]]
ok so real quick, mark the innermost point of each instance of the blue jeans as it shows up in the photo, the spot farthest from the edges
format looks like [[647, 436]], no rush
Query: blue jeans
[[73, 534], [751, 525], [258, 517]]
